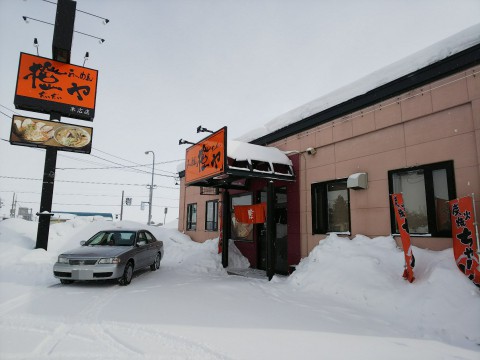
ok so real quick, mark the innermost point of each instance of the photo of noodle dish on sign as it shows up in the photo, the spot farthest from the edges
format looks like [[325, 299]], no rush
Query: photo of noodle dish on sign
[[45, 133], [72, 136], [34, 131]]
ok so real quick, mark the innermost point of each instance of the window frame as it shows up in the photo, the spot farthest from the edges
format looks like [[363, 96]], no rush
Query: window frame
[[215, 215], [324, 226], [428, 170], [191, 226]]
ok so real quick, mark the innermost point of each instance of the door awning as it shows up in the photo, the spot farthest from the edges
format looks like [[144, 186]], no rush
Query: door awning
[[248, 161]]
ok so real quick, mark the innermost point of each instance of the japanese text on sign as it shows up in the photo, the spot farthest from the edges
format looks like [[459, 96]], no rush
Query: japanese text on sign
[[206, 158], [45, 85], [464, 238]]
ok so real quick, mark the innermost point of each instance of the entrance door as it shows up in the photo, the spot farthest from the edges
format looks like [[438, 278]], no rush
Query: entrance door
[[281, 241]]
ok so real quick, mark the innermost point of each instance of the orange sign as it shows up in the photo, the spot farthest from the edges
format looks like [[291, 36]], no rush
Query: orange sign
[[46, 86], [464, 237], [251, 214], [401, 217], [207, 158]]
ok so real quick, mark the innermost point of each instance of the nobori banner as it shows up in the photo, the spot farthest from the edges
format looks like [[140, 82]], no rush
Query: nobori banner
[[207, 158], [43, 134], [46, 86]]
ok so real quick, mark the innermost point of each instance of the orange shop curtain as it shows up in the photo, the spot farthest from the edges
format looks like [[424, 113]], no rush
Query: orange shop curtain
[[251, 214], [464, 238], [401, 217]]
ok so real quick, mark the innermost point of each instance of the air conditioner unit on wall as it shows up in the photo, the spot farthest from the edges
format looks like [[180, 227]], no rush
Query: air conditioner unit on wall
[[357, 181]]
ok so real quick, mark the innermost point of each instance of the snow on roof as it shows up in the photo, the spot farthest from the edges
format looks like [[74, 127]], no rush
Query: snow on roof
[[244, 151], [240, 151], [432, 54]]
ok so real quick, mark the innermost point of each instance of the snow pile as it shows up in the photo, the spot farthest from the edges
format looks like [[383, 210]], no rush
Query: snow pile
[[345, 291], [368, 272], [377, 264], [18, 239]]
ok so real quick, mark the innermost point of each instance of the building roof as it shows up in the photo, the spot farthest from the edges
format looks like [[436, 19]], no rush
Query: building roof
[[441, 59]]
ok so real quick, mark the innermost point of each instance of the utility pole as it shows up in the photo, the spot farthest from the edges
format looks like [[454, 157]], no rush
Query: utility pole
[[121, 208], [151, 189], [61, 51], [13, 210]]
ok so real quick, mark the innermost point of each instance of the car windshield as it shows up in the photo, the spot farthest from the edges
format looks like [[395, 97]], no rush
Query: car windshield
[[112, 238]]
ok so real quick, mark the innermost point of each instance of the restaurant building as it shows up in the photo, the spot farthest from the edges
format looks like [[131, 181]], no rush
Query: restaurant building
[[411, 128]]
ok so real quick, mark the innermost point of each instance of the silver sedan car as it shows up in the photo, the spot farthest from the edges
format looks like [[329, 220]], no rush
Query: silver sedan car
[[110, 254]]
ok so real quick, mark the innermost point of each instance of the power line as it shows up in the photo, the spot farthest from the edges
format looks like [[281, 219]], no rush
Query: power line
[[88, 182], [1, 112], [111, 205], [120, 166], [158, 163], [123, 167], [13, 111], [93, 195]]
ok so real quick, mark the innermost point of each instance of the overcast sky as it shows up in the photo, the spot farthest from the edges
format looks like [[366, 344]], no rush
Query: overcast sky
[[167, 66]]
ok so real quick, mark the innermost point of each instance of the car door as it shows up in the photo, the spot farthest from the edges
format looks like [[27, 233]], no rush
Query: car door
[[151, 248], [142, 250]]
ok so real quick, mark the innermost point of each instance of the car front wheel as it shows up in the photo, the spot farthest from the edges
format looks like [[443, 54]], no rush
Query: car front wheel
[[156, 263], [126, 278]]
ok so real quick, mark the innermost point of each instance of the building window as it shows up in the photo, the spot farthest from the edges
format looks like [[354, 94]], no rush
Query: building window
[[241, 231], [330, 207], [211, 216], [426, 191], [191, 216]]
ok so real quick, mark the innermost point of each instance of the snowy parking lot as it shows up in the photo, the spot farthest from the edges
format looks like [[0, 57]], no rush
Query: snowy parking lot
[[346, 300]]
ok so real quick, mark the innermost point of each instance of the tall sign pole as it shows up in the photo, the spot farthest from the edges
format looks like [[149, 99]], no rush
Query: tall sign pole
[[61, 51]]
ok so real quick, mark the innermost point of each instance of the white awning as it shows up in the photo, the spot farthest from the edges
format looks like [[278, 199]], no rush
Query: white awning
[[258, 159]]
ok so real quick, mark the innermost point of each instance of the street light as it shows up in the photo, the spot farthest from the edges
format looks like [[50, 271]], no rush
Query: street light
[[151, 189]]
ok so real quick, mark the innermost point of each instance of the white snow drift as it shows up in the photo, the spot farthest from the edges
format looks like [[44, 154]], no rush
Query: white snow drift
[[347, 299]]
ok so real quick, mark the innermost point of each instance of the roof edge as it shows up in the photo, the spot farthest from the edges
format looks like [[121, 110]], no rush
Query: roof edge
[[435, 71]]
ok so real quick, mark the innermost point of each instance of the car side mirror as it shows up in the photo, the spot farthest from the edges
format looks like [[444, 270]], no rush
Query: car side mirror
[[82, 243]]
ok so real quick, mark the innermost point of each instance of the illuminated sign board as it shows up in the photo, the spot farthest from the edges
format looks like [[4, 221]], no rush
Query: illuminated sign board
[[40, 133], [46, 86], [207, 158]]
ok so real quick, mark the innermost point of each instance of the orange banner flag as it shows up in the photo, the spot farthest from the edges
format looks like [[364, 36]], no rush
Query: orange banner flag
[[251, 214], [464, 238], [401, 217]]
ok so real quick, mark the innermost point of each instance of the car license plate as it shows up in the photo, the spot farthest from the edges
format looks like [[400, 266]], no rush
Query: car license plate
[[82, 274]]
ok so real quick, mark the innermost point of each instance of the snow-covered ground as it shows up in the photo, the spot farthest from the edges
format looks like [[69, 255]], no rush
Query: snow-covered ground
[[346, 300]]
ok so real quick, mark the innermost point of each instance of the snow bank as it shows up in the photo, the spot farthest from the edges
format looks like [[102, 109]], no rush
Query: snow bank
[[347, 287], [18, 239], [367, 273]]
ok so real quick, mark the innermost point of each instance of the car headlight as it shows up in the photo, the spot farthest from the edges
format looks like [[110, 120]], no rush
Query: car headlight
[[113, 260], [62, 260]]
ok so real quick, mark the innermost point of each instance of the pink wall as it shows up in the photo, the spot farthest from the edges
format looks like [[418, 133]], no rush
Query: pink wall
[[437, 122]]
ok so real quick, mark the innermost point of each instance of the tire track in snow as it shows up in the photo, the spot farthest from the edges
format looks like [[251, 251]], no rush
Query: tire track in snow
[[98, 339], [88, 317]]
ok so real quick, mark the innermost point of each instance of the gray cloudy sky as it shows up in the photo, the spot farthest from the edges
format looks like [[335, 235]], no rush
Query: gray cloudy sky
[[168, 66]]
